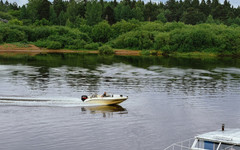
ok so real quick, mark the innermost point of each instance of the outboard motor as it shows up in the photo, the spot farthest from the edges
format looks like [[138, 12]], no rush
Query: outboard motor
[[84, 97]]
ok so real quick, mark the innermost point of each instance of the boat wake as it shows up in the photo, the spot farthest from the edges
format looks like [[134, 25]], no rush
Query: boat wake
[[43, 101]]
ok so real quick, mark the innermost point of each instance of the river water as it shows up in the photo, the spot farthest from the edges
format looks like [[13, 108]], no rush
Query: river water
[[170, 100]]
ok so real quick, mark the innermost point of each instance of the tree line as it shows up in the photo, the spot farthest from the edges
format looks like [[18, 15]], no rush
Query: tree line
[[74, 13], [176, 26]]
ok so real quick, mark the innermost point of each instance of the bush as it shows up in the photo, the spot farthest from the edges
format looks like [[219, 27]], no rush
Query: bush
[[101, 32], [135, 39], [48, 44], [85, 29], [42, 32], [14, 35], [15, 22], [54, 45], [162, 41], [6, 16], [145, 52], [106, 50], [76, 44], [1, 39], [152, 26], [41, 43], [92, 46], [123, 27]]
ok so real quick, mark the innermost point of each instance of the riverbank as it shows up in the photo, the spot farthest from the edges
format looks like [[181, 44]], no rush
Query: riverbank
[[31, 50]]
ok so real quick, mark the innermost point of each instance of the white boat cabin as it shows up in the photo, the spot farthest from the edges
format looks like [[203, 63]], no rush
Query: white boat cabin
[[228, 139]]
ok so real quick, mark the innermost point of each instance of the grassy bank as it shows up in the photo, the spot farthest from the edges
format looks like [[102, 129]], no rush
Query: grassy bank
[[23, 49]]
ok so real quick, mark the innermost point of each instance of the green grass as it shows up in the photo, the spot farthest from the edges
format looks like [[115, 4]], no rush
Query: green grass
[[15, 44], [194, 54]]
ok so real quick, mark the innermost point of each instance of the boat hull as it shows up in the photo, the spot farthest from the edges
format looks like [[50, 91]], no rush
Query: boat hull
[[105, 101]]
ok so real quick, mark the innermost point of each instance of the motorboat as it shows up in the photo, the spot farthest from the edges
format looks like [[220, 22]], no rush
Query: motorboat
[[104, 100], [225, 139]]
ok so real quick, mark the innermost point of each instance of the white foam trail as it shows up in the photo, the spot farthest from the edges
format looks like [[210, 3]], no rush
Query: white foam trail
[[43, 101]]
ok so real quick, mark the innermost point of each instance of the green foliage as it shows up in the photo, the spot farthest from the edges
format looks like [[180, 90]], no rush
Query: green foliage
[[85, 29], [11, 35], [123, 12], [134, 39], [161, 17], [42, 22], [210, 19], [57, 12], [41, 43], [192, 39], [1, 39], [145, 52], [106, 50], [123, 27], [93, 12], [54, 45], [6, 16], [101, 32], [152, 26], [92, 46], [15, 22], [138, 13], [81, 25], [162, 41], [48, 44]]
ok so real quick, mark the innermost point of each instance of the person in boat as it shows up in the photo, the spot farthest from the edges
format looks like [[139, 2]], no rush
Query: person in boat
[[104, 94]]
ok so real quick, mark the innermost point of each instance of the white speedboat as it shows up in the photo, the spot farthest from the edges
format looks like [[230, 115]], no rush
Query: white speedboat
[[104, 100], [228, 139]]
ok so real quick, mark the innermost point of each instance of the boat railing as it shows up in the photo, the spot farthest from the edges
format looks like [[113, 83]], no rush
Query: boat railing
[[183, 145]]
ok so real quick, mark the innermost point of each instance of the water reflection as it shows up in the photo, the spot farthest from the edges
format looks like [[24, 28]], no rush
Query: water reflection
[[106, 111], [87, 73]]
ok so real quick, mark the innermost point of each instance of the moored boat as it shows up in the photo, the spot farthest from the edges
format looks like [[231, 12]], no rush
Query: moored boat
[[225, 139], [104, 100]]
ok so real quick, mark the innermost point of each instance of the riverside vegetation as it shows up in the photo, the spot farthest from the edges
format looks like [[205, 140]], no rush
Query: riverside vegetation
[[182, 27]]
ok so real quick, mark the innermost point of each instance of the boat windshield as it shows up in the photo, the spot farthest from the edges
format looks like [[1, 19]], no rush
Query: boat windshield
[[208, 145], [93, 95], [229, 147], [205, 145]]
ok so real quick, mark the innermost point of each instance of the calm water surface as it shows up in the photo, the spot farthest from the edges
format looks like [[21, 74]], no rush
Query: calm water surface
[[170, 100]]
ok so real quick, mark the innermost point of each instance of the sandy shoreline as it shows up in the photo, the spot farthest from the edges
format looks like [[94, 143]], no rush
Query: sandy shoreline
[[34, 50]]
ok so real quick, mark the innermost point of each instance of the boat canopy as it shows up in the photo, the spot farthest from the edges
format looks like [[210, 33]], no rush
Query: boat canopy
[[229, 136]]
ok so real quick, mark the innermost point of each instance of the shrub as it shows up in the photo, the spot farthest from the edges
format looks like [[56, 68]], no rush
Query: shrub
[[14, 35], [41, 43], [42, 32], [48, 44], [145, 52], [174, 25], [1, 39], [6, 16], [123, 27], [162, 40], [54, 45], [85, 29], [106, 50], [92, 46], [29, 32], [15, 22], [191, 39], [135, 39], [76, 44], [152, 26], [101, 32]]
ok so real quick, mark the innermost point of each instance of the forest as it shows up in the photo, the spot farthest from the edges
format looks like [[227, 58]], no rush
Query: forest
[[174, 26]]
